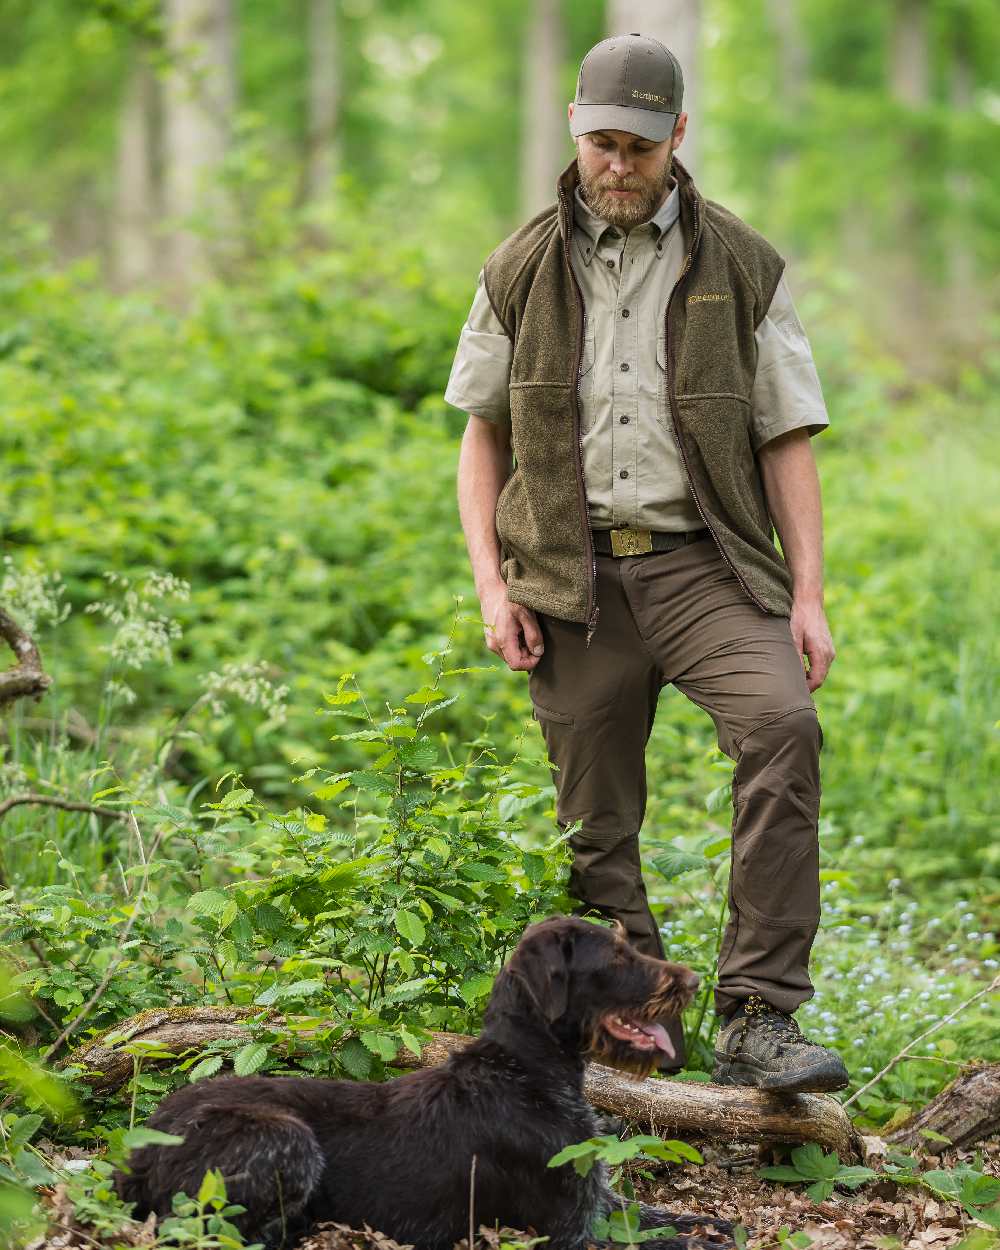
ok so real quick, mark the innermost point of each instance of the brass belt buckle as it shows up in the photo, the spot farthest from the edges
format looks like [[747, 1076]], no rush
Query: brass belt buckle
[[631, 542]]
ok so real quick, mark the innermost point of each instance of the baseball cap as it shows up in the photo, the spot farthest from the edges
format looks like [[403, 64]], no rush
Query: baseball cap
[[628, 82]]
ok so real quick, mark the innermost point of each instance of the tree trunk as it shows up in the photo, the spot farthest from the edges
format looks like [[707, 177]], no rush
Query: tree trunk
[[676, 23], [544, 124], [133, 250], [909, 86], [324, 98], [199, 99], [662, 1106]]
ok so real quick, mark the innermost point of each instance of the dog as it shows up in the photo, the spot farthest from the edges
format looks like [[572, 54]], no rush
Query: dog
[[399, 1155]]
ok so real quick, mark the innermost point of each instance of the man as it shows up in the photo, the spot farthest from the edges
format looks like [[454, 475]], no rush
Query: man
[[637, 349]]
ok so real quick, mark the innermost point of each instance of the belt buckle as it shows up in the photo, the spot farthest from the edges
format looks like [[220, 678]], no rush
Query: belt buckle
[[630, 542]]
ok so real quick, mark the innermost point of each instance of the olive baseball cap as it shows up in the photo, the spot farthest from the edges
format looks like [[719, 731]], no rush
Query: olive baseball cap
[[628, 82]]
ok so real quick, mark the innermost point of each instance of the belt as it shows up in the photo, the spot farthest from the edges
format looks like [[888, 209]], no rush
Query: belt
[[633, 542]]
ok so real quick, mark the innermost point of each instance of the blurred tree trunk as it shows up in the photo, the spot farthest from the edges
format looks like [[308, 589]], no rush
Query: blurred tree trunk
[[323, 51], [133, 248], [793, 60], [965, 305], [544, 125], [677, 23], [909, 86], [199, 100]]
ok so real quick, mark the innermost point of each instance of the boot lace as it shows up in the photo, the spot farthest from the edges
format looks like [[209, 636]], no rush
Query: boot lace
[[776, 1024]]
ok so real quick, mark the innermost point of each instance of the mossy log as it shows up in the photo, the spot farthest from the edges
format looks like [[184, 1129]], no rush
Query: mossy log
[[657, 1105], [965, 1111]]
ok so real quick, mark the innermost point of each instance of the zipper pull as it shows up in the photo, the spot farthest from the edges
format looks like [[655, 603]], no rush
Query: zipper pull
[[592, 625]]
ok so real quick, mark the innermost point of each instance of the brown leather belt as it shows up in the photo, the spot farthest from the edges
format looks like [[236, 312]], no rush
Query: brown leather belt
[[633, 542]]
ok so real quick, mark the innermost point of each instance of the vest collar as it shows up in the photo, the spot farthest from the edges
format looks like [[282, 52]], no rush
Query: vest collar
[[691, 203]]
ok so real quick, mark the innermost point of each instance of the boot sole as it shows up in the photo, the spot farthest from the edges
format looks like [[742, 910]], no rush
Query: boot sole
[[733, 1073]]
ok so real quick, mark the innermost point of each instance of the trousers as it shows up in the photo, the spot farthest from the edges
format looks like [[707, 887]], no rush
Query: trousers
[[681, 618]]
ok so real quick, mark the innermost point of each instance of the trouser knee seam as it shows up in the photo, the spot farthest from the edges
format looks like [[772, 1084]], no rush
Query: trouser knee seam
[[770, 720]]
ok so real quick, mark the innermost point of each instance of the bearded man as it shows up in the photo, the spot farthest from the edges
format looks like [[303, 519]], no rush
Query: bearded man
[[635, 348]]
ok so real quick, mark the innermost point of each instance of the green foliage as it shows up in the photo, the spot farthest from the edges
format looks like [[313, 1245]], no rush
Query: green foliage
[[204, 1222], [614, 1151], [824, 1171]]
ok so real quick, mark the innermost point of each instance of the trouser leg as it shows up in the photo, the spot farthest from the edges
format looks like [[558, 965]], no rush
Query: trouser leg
[[740, 665], [596, 708]]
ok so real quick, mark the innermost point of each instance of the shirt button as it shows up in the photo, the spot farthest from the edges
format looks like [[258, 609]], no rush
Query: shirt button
[[623, 473], [624, 366], [623, 420], [624, 312], [610, 264]]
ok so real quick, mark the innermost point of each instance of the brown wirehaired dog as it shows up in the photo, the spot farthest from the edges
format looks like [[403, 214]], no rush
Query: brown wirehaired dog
[[397, 1155]]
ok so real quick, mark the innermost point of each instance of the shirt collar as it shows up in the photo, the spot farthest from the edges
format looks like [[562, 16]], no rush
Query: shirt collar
[[593, 227]]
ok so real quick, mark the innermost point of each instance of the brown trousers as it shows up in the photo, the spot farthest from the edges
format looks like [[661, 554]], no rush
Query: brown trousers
[[681, 618]]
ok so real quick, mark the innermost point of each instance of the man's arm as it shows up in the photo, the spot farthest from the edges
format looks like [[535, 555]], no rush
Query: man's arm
[[791, 485], [484, 465]]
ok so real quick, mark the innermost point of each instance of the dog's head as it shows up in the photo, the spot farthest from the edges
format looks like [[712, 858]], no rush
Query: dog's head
[[593, 992]]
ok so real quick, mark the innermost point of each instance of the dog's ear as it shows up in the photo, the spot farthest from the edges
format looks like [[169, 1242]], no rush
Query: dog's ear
[[545, 966]]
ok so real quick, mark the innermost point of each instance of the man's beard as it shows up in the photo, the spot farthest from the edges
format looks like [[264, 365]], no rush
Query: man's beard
[[629, 211]]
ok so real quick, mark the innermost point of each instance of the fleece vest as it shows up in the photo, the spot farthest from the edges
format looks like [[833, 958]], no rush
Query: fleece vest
[[725, 288]]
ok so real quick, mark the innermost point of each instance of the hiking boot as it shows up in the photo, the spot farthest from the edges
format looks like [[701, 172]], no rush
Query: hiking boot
[[763, 1047]]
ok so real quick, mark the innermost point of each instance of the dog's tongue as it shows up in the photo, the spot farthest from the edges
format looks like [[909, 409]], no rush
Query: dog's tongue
[[659, 1035]]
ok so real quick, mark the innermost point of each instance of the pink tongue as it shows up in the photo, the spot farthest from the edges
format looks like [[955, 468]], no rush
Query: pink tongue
[[659, 1035]]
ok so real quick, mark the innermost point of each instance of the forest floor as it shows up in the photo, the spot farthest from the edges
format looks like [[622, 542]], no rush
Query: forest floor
[[880, 1216]]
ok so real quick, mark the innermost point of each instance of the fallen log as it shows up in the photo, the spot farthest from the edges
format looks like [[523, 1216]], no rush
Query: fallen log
[[658, 1105], [965, 1111]]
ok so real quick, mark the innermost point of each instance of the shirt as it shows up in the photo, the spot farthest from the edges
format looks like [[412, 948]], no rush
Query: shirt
[[632, 468]]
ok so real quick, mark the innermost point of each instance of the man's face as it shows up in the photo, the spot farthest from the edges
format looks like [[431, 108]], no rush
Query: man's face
[[624, 178]]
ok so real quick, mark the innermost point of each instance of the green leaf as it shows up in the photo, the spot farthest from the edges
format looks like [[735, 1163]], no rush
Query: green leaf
[[410, 927], [476, 987], [22, 1131], [208, 1067], [332, 790], [481, 872], [133, 1138], [819, 1191], [356, 1059], [381, 1044], [236, 798], [719, 798], [717, 847], [426, 694], [781, 1173], [251, 1058], [674, 861], [411, 1043], [534, 867], [211, 1188], [420, 754], [381, 783], [208, 903], [437, 846]]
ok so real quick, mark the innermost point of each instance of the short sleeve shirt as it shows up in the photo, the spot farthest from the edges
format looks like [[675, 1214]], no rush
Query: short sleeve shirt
[[632, 467]]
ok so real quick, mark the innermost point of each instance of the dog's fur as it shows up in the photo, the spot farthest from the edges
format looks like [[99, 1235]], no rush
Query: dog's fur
[[397, 1155]]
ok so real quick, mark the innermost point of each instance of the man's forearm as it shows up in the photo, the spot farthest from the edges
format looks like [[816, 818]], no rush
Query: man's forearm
[[791, 485], [484, 465]]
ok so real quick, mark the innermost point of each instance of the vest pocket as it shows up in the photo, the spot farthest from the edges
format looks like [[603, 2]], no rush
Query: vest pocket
[[585, 383]]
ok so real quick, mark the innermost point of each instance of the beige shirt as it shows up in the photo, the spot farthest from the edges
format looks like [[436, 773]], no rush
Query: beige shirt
[[632, 468]]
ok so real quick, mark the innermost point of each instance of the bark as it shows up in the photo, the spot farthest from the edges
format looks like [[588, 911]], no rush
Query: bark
[[909, 85], [965, 1112], [133, 256], [544, 125], [199, 100], [324, 98], [783, 16], [662, 1106], [27, 678], [678, 24]]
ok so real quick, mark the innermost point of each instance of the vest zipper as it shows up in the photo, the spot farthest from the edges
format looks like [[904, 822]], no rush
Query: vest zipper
[[675, 425], [593, 611]]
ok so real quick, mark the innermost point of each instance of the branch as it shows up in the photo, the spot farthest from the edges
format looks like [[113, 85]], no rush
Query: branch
[[27, 678], [67, 805]]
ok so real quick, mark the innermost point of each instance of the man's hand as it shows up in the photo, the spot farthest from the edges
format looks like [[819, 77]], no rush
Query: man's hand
[[812, 639], [512, 631]]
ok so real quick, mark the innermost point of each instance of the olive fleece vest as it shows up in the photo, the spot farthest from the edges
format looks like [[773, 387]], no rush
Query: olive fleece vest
[[723, 293]]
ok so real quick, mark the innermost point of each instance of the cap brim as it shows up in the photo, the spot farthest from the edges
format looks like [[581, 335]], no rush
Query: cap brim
[[647, 123]]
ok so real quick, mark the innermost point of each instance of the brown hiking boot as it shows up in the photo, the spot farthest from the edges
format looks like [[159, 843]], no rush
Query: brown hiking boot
[[765, 1048]]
